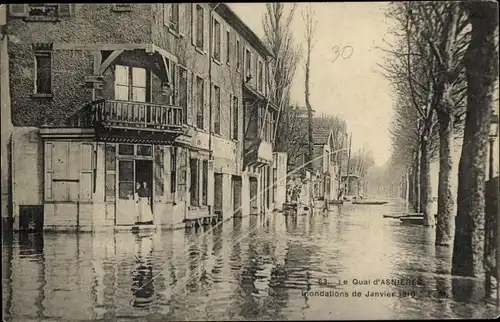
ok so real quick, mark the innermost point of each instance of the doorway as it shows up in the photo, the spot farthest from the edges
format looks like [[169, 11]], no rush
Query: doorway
[[236, 183], [218, 195], [130, 174], [254, 206]]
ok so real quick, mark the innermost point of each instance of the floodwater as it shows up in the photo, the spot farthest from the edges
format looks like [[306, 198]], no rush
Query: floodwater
[[258, 268]]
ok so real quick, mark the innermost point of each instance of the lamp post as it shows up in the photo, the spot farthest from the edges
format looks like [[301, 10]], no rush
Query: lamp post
[[493, 135]]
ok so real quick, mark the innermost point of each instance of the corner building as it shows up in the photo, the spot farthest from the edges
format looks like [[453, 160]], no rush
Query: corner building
[[105, 96]]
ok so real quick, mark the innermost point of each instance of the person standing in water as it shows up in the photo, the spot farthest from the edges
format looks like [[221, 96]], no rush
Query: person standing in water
[[144, 207]]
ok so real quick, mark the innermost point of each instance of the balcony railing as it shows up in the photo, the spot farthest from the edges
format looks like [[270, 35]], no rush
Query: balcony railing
[[129, 115]]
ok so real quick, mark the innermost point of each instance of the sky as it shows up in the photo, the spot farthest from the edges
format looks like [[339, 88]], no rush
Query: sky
[[352, 87]]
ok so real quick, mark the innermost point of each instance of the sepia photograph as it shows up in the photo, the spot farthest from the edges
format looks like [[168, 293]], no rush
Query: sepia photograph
[[250, 161]]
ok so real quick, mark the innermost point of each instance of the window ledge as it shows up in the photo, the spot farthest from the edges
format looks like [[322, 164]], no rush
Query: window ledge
[[41, 95], [217, 61], [173, 31], [41, 19], [121, 9], [198, 49]]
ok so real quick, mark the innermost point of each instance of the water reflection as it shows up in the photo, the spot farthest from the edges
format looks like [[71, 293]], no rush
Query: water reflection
[[143, 284], [253, 268]]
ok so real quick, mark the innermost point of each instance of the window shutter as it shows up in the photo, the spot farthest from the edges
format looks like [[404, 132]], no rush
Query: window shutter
[[65, 10], [189, 97], [175, 69], [18, 10], [48, 171], [210, 183], [206, 34], [182, 19], [206, 105], [193, 24], [167, 8]]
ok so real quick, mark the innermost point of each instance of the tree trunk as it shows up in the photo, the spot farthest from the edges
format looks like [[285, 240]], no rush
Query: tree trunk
[[310, 146], [445, 196], [425, 186], [481, 64], [417, 182]]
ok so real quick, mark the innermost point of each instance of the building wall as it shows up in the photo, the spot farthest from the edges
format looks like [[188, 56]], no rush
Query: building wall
[[75, 41], [280, 162], [6, 125], [72, 38], [27, 170]]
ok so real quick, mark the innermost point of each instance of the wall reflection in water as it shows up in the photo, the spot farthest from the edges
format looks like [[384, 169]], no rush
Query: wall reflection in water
[[254, 267], [143, 284]]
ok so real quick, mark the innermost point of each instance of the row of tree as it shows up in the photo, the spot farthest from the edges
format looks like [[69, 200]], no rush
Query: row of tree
[[443, 68], [292, 133]]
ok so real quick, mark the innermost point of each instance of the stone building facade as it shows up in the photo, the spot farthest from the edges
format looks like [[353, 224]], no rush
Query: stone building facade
[[107, 96]]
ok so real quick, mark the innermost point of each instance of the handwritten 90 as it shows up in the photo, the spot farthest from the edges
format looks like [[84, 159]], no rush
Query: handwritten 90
[[344, 52]]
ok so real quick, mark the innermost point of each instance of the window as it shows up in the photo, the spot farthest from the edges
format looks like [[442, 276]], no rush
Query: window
[[110, 164], [183, 92], [260, 77], [248, 65], [238, 54], [199, 26], [199, 102], [235, 118], [130, 83], [228, 47], [171, 16], [205, 182], [217, 40], [174, 16], [217, 110], [194, 190], [43, 68]]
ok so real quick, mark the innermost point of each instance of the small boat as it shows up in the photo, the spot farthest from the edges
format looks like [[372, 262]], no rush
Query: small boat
[[413, 220], [367, 202], [403, 215]]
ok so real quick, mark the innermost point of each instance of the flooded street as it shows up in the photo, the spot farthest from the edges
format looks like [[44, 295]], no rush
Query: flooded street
[[258, 268]]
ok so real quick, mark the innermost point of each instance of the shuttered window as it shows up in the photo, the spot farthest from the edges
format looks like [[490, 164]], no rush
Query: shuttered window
[[205, 182], [68, 171], [41, 11], [43, 72], [110, 165]]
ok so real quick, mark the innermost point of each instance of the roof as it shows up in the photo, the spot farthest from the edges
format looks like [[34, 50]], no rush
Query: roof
[[321, 134], [232, 18]]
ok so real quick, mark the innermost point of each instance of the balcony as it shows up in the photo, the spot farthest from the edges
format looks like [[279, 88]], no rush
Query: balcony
[[258, 152], [115, 118]]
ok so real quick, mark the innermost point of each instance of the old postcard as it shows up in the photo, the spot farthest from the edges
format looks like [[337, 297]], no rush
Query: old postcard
[[250, 161]]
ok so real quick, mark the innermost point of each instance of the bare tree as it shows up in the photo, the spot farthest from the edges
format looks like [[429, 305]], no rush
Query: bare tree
[[310, 25], [278, 38], [412, 81], [442, 26], [481, 65]]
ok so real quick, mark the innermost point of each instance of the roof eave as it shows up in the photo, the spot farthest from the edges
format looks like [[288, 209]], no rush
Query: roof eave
[[232, 18]]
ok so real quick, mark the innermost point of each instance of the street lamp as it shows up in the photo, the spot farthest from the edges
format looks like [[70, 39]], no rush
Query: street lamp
[[493, 135]]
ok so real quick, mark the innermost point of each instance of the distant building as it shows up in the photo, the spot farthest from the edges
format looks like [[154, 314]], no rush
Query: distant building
[[324, 175]]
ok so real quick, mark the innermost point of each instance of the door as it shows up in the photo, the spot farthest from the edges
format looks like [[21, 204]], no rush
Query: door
[[218, 198], [126, 210], [254, 209], [236, 187]]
